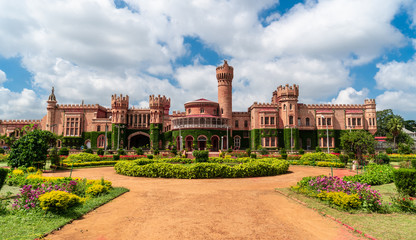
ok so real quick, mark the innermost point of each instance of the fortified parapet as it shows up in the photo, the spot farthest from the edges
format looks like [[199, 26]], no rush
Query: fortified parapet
[[119, 108], [225, 75], [285, 93], [159, 106]]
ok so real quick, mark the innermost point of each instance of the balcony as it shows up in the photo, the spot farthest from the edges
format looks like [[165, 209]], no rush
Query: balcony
[[199, 122]]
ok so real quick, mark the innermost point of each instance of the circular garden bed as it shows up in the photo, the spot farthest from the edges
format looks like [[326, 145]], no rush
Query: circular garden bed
[[158, 168]]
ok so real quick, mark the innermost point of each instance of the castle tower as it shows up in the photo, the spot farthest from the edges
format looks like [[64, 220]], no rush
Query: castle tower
[[225, 74], [370, 115], [51, 110], [159, 107], [287, 97], [119, 107]]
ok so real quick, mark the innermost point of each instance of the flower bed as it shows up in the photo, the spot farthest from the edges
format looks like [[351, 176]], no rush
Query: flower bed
[[254, 168], [401, 157], [343, 194]]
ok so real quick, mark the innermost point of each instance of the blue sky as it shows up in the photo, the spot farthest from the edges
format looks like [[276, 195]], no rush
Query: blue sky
[[338, 51]]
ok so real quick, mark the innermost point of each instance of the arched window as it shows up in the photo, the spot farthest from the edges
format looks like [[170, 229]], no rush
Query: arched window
[[245, 123], [307, 122], [236, 123], [101, 141], [290, 120], [202, 110], [98, 128], [237, 142]]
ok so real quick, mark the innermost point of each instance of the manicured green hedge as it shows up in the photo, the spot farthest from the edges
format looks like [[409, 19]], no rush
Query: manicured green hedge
[[3, 175], [84, 164], [374, 175], [255, 168], [319, 157], [83, 157], [405, 181]]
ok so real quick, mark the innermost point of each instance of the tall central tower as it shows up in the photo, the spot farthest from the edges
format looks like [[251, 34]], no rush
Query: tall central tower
[[225, 74]]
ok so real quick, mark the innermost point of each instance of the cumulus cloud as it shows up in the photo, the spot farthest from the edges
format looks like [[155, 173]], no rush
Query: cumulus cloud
[[90, 49], [351, 96], [397, 100], [2, 77], [397, 75], [20, 105]]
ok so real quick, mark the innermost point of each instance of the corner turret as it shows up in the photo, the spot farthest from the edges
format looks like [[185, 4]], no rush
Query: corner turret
[[225, 75]]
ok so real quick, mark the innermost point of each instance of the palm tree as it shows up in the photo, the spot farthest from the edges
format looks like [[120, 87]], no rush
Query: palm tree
[[395, 126]]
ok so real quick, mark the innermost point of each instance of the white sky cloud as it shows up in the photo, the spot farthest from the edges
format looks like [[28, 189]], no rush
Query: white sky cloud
[[351, 96], [90, 50]]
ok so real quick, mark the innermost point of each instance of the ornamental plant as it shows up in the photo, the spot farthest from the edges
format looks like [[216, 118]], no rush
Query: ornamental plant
[[369, 199], [59, 201], [83, 157], [3, 175], [374, 175]]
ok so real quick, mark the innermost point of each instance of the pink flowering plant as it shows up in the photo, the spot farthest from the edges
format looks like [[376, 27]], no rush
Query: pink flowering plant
[[370, 199], [29, 194]]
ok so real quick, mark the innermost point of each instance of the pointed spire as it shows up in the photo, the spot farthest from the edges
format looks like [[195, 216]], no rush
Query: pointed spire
[[52, 96]]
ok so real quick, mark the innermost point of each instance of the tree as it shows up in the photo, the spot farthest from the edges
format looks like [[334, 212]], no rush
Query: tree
[[357, 142], [31, 149], [383, 117], [395, 126], [410, 125]]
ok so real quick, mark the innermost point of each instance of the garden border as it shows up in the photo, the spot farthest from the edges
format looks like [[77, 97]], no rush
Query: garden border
[[327, 215]]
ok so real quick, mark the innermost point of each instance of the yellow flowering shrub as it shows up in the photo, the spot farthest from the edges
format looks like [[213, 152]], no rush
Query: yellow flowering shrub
[[341, 199], [58, 201], [96, 190], [18, 172], [105, 183], [40, 177], [31, 169]]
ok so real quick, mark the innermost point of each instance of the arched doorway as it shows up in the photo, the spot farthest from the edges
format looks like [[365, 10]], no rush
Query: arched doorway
[[138, 139], [215, 140], [202, 142], [189, 140]]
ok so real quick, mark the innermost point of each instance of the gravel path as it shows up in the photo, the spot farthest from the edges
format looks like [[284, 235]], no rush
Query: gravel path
[[202, 209]]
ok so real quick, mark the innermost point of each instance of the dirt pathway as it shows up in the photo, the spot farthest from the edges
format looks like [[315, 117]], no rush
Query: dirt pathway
[[202, 209]]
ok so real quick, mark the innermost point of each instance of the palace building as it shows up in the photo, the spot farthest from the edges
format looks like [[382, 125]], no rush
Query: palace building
[[282, 123]]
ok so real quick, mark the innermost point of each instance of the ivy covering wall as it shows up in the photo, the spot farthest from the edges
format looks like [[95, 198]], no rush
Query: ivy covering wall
[[291, 134], [155, 134]]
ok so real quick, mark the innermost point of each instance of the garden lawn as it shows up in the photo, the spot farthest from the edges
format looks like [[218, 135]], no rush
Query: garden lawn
[[380, 226], [6, 188], [36, 223]]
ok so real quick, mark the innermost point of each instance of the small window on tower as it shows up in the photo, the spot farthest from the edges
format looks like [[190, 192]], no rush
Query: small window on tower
[[222, 111], [189, 110], [202, 110]]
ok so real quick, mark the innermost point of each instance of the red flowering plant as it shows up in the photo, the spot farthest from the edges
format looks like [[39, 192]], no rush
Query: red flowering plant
[[404, 203]]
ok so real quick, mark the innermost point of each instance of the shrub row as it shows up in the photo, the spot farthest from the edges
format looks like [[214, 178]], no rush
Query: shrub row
[[319, 157], [319, 164], [405, 181], [3, 175], [84, 164], [202, 170], [374, 175]]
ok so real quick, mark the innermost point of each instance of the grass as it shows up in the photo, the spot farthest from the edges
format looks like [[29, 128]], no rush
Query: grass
[[393, 226], [36, 223], [6, 188]]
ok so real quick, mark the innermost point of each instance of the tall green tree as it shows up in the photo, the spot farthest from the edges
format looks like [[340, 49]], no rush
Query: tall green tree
[[31, 149], [358, 142], [395, 126], [410, 125], [383, 117]]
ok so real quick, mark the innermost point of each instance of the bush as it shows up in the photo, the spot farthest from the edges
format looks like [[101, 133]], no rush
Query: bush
[[58, 201], [413, 162], [404, 148], [283, 153], [83, 157], [255, 168], [201, 155], [31, 169], [31, 149], [318, 149], [341, 199], [155, 151], [301, 151], [139, 151], [248, 151], [121, 152], [116, 157], [374, 175], [54, 157], [405, 181], [318, 156], [1, 150], [382, 158], [263, 151], [96, 190], [330, 164], [389, 150], [174, 151], [100, 163], [88, 150], [253, 155], [150, 156], [3, 175], [336, 150], [63, 151], [343, 158], [100, 152]]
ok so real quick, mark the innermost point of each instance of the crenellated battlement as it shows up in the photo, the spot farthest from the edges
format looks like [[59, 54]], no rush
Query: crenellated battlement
[[286, 92], [119, 102], [326, 105], [270, 105], [369, 101], [25, 122], [225, 72], [77, 106], [241, 113], [178, 114], [159, 101]]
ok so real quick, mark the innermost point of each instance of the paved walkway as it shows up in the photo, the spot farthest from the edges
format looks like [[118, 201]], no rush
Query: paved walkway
[[158, 208]]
